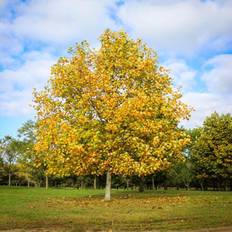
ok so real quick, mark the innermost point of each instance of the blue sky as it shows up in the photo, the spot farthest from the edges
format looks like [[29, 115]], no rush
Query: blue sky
[[192, 38]]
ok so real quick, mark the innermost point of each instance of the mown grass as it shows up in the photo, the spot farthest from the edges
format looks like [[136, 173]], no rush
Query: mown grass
[[84, 210]]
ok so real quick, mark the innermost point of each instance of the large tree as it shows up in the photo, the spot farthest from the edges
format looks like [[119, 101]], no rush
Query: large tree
[[111, 110]]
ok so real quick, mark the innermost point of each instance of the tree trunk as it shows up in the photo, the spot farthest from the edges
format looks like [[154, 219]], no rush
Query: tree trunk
[[9, 179], [95, 182], [82, 184], [141, 184], [108, 187], [28, 183], [127, 184], [46, 182], [153, 182], [202, 186]]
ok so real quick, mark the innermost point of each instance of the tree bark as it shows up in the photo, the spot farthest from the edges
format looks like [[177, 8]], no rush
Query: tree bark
[[46, 182], [127, 184], [141, 184], [95, 182], [108, 187], [9, 179], [82, 184], [202, 186], [153, 182]]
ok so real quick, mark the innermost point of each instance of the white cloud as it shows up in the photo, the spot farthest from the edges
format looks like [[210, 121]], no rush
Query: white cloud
[[62, 21], [217, 97], [17, 84], [16, 103], [180, 27], [219, 76], [182, 74], [204, 104], [2, 4], [9, 45]]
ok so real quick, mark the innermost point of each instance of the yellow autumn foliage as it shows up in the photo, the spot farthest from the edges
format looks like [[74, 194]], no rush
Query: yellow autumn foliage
[[109, 109]]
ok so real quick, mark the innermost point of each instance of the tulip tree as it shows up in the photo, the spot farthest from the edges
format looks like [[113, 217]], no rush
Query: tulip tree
[[111, 110]]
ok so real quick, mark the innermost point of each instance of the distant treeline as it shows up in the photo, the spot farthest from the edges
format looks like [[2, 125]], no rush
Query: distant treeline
[[206, 163]]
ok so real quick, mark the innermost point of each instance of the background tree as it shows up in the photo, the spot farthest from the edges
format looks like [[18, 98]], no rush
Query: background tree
[[109, 111], [181, 174], [9, 153], [25, 160], [212, 151], [27, 157], [1, 165]]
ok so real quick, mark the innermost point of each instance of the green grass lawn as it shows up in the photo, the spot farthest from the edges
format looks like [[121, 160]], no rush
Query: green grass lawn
[[84, 210]]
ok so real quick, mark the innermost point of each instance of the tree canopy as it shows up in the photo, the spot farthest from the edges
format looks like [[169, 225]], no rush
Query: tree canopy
[[212, 150], [111, 109]]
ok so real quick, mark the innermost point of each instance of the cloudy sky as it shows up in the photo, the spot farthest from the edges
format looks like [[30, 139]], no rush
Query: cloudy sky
[[193, 38]]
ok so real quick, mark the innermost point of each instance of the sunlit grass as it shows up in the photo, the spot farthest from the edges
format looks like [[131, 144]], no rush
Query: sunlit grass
[[81, 210]]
